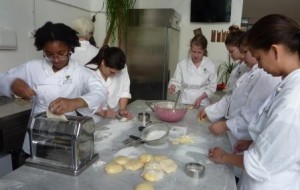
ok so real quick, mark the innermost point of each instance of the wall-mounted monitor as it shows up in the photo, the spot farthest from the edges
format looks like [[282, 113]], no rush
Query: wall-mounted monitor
[[210, 10]]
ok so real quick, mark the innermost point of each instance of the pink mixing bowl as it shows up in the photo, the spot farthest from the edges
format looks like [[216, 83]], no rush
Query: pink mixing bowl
[[165, 111]]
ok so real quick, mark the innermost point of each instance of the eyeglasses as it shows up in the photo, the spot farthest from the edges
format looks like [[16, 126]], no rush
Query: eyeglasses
[[59, 57]]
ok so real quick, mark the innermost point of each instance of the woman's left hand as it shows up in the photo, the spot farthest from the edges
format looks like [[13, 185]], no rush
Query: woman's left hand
[[64, 105], [198, 101]]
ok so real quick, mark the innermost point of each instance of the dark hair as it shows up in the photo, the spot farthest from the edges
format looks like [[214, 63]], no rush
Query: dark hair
[[234, 35], [275, 29], [56, 32], [113, 57], [199, 40]]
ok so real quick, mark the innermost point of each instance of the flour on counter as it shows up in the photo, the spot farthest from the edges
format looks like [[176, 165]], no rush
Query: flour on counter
[[154, 135]]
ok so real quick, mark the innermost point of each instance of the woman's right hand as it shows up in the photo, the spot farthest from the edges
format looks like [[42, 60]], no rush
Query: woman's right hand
[[216, 154], [172, 89], [20, 88], [202, 115]]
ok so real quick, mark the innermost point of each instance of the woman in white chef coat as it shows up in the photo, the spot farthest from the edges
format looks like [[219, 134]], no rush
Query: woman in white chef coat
[[232, 43], [218, 110], [195, 75], [112, 72], [273, 159], [252, 89], [86, 51], [57, 83]]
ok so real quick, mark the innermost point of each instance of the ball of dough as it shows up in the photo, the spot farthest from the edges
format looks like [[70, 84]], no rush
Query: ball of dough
[[134, 164], [113, 168], [152, 165], [144, 186], [203, 120], [153, 175], [122, 160], [160, 157], [168, 165], [50, 115], [146, 157]]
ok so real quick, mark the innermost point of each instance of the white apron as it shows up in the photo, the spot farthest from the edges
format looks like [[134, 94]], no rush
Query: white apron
[[191, 90]]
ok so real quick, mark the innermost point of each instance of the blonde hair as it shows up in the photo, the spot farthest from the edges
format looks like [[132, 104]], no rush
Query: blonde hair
[[200, 41], [84, 26]]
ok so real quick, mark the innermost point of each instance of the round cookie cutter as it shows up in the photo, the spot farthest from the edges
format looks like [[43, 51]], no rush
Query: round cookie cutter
[[194, 170]]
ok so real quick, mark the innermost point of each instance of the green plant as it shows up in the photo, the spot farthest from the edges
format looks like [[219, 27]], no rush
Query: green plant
[[117, 18], [224, 70]]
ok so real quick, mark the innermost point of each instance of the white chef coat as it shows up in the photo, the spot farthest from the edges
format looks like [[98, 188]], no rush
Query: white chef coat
[[273, 160], [72, 81], [195, 81], [218, 110], [85, 52], [117, 86], [252, 90], [238, 70]]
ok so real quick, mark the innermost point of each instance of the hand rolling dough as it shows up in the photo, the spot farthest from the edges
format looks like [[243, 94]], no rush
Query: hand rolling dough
[[134, 164], [203, 120], [144, 186], [122, 160], [113, 168]]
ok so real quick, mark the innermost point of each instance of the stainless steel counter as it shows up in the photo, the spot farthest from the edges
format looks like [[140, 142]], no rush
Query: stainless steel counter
[[13, 106], [113, 132], [14, 115]]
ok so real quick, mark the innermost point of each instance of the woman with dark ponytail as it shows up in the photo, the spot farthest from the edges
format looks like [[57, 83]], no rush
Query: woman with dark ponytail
[[111, 70], [273, 159], [219, 109]]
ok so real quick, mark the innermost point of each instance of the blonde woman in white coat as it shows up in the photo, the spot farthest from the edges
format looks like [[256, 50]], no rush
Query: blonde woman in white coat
[[86, 51], [273, 159], [195, 76]]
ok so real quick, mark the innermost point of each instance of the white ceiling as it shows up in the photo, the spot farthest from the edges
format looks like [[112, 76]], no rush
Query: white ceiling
[[255, 9]]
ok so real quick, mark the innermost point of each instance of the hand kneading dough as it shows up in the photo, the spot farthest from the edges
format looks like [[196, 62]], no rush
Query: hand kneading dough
[[56, 117], [146, 157], [153, 175], [134, 164], [160, 157], [168, 165], [122, 160], [144, 186], [113, 168]]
